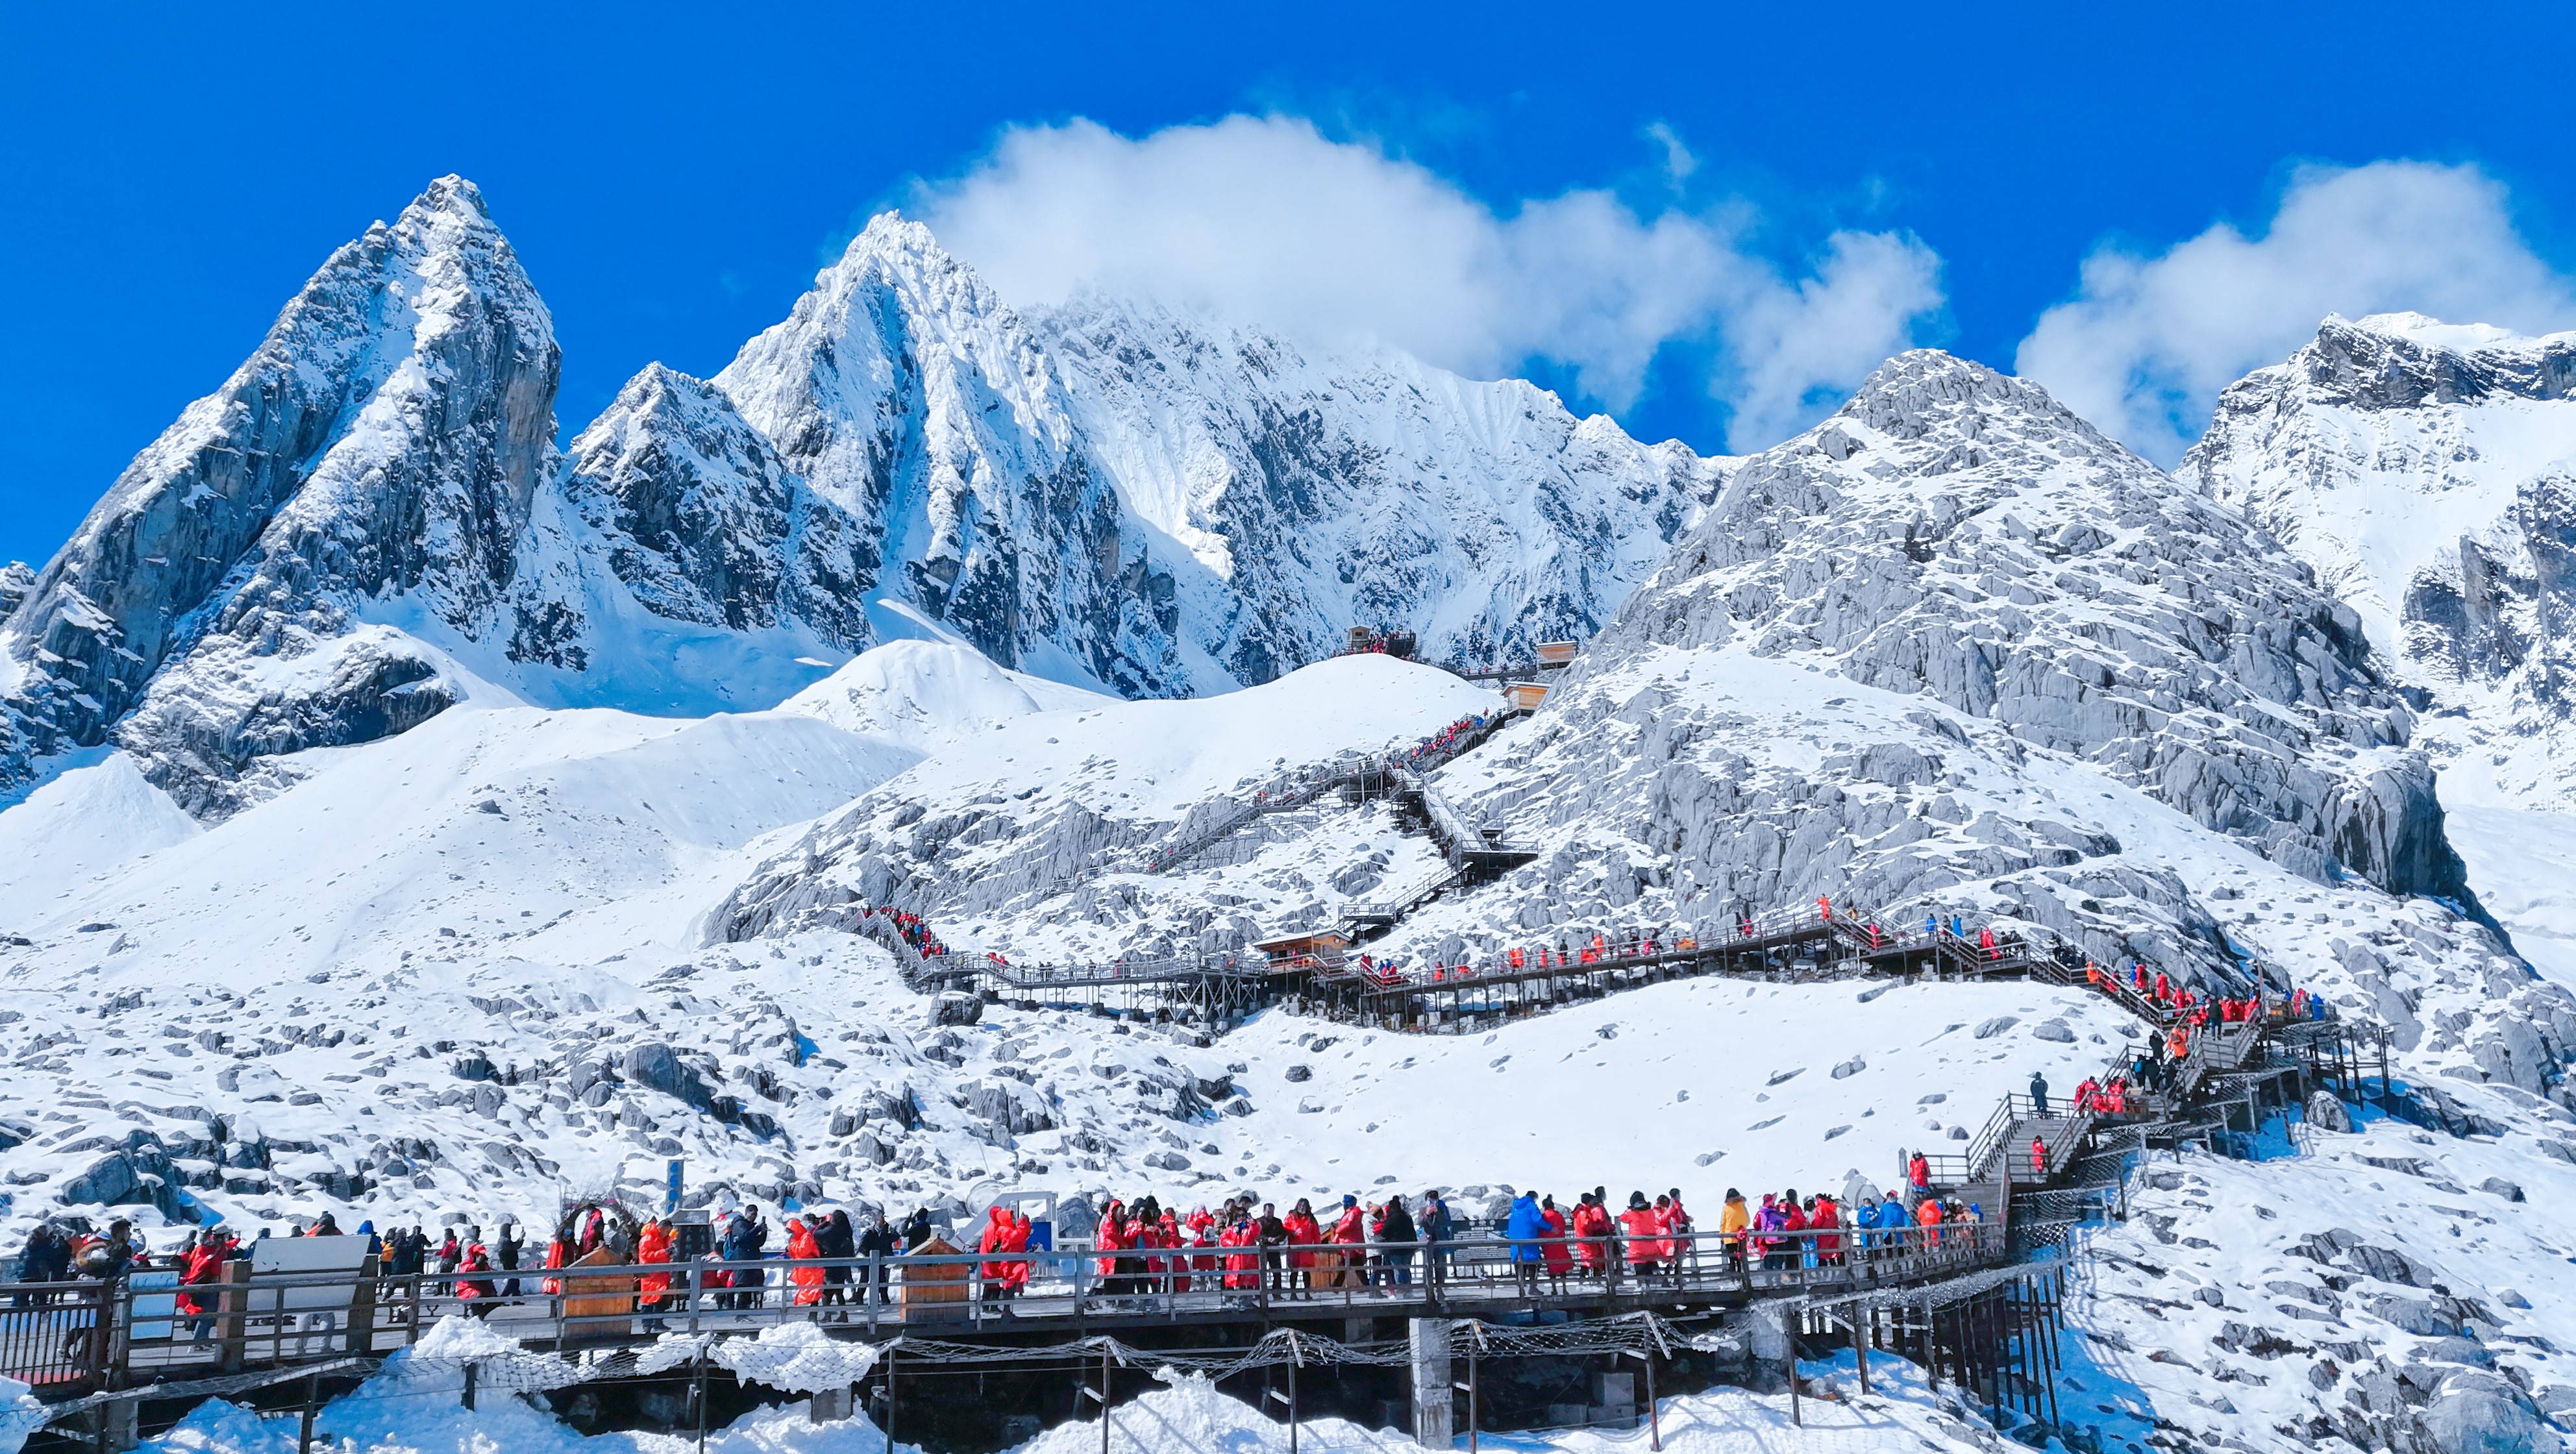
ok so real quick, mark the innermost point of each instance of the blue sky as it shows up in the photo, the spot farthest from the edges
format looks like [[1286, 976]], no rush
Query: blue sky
[[1709, 220]]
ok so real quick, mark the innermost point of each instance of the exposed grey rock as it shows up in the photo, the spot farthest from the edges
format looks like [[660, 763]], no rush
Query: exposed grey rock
[[2325, 1112], [956, 1007], [1989, 1029], [2479, 1413], [2057, 1031], [1008, 1107], [657, 1066], [2414, 1315], [2498, 1186]]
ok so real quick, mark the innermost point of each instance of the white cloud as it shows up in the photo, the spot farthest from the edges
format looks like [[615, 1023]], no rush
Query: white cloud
[[1267, 219], [2147, 343]]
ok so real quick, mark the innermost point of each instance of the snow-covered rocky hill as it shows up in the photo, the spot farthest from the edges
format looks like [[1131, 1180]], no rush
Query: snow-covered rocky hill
[[2428, 472], [1950, 651], [370, 522]]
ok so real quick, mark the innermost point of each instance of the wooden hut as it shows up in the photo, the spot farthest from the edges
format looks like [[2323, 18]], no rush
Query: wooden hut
[[939, 1286]]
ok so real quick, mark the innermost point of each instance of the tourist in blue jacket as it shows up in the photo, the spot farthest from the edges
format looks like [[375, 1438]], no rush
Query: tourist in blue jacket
[[1527, 1230]]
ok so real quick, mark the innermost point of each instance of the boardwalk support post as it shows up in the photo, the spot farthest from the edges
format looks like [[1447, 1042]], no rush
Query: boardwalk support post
[[1789, 1361], [1296, 1355], [1434, 1417]]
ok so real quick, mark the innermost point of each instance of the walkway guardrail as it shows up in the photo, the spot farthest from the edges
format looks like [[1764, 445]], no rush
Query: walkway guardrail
[[67, 1340]]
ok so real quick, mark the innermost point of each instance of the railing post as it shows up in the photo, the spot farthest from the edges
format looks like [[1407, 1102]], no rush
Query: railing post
[[362, 1311], [232, 1323], [96, 1355]]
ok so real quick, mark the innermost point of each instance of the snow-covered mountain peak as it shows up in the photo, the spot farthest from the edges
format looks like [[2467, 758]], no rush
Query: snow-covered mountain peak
[[2427, 472], [386, 438], [2433, 332], [1123, 499], [1930, 400], [450, 196]]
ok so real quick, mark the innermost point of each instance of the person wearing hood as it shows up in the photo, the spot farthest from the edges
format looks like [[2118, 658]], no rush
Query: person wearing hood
[[1643, 1230], [1559, 1257], [1397, 1234], [1591, 1228], [1304, 1233], [1112, 1237], [653, 1249], [802, 1246], [995, 1272], [1021, 1231], [1526, 1229]]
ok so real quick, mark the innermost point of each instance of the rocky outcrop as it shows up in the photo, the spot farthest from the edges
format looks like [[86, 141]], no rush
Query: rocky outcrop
[[386, 440], [1957, 535], [698, 518]]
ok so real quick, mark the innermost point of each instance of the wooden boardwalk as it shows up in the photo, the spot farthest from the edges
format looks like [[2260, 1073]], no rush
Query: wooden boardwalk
[[50, 1334]]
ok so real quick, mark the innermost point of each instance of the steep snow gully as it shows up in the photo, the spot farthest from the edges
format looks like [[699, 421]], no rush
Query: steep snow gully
[[408, 816]]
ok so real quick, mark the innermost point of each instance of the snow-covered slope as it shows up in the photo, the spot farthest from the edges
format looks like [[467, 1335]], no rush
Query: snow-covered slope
[[485, 941], [930, 695], [81, 824]]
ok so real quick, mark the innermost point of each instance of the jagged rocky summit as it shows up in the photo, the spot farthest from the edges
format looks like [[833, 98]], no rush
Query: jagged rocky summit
[[226, 599], [2428, 472], [371, 522]]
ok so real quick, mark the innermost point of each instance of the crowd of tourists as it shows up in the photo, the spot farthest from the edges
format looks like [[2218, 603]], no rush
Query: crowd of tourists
[[1138, 1247], [909, 927]]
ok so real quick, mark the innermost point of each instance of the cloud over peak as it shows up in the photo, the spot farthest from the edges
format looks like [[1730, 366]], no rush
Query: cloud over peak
[[1267, 219], [2149, 340]]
